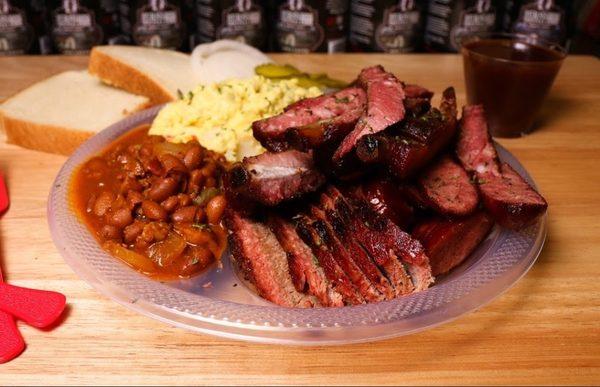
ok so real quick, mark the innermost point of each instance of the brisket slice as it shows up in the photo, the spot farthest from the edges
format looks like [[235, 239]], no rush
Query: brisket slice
[[307, 275], [323, 132], [416, 143], [263, 262], [385, 106], [474, 147], [407, 249], [271, 178], [343, 258], [449, 242], [416, 91], [448, 188], [271, 131], [510, 199], [357, 252], [386, 198], [372, 243], [340, 282], [505, 194]]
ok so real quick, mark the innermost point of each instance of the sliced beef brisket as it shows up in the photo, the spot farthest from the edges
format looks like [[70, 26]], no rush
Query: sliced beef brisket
[[271, 178], [505, 194], [264, 262], [271, 131], [307, 274], [385, 107], [416, 143]]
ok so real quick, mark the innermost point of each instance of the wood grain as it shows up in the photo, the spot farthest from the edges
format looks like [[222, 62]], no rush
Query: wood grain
[[545, 330]]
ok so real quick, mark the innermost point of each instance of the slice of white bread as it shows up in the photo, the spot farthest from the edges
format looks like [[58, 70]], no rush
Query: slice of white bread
[[57, 114], [154, 73]]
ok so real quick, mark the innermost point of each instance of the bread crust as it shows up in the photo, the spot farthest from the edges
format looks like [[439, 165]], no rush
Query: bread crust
[[44, 137], [116, 73]]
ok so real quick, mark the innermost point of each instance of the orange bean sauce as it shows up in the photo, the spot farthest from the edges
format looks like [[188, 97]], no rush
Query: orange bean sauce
[[155, 205]]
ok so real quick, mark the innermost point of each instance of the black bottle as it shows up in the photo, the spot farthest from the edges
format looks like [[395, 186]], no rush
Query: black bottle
[[241, 20], [448, 21], [545, 18], [386, 25], [23, 27], [78, 25], [154, 23], [311, 25]]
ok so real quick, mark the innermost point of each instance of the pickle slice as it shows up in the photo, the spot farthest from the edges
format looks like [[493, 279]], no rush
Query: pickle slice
[[272, 70]]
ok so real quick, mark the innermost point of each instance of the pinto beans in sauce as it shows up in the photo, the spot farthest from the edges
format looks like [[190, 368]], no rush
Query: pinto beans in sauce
[[145, 197]]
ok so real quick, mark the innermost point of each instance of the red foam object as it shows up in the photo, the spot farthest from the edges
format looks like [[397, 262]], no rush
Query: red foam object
[[11, 341], [4, 202], [38, 308]]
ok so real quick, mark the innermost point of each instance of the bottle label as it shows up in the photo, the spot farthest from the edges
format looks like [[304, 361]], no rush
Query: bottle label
[[542, 17], [158, 24], [448, 23], [481, 17], [74, 29], [298, 28], [16, 35], [399, 28], [243, 22]]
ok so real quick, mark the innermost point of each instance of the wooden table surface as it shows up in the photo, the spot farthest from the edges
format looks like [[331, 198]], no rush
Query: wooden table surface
[[545, 330]]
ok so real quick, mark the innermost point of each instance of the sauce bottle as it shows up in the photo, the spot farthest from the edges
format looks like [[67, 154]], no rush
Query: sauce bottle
[[391, 26], [16, 32], [448, 21], [153, 23], [544, 18], [311, 25], [78, 25], [241, 20]]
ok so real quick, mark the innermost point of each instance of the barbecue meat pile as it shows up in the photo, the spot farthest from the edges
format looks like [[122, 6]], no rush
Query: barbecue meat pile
[[367, 194]]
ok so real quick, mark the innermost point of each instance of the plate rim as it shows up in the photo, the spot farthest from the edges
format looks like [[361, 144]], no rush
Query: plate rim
[[302, 335]]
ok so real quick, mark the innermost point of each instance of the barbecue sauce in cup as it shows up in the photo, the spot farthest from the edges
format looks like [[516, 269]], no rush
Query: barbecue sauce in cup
[[510, 75]]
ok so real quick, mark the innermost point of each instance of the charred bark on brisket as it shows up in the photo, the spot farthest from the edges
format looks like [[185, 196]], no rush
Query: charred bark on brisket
[[416, 143], [272, 178]]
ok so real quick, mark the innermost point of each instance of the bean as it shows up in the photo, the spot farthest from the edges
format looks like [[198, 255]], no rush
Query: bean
[[215, 208], [153, 210], [195, 235], [195, 181], [184, 214], [154, 167], [170, 203], [103, 203], [110, 232], [193, 157], [209, 169], [133, 199], [162, 188], [184, 200], [131, 232], [197, 259], [171, 163], [120, 218]]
